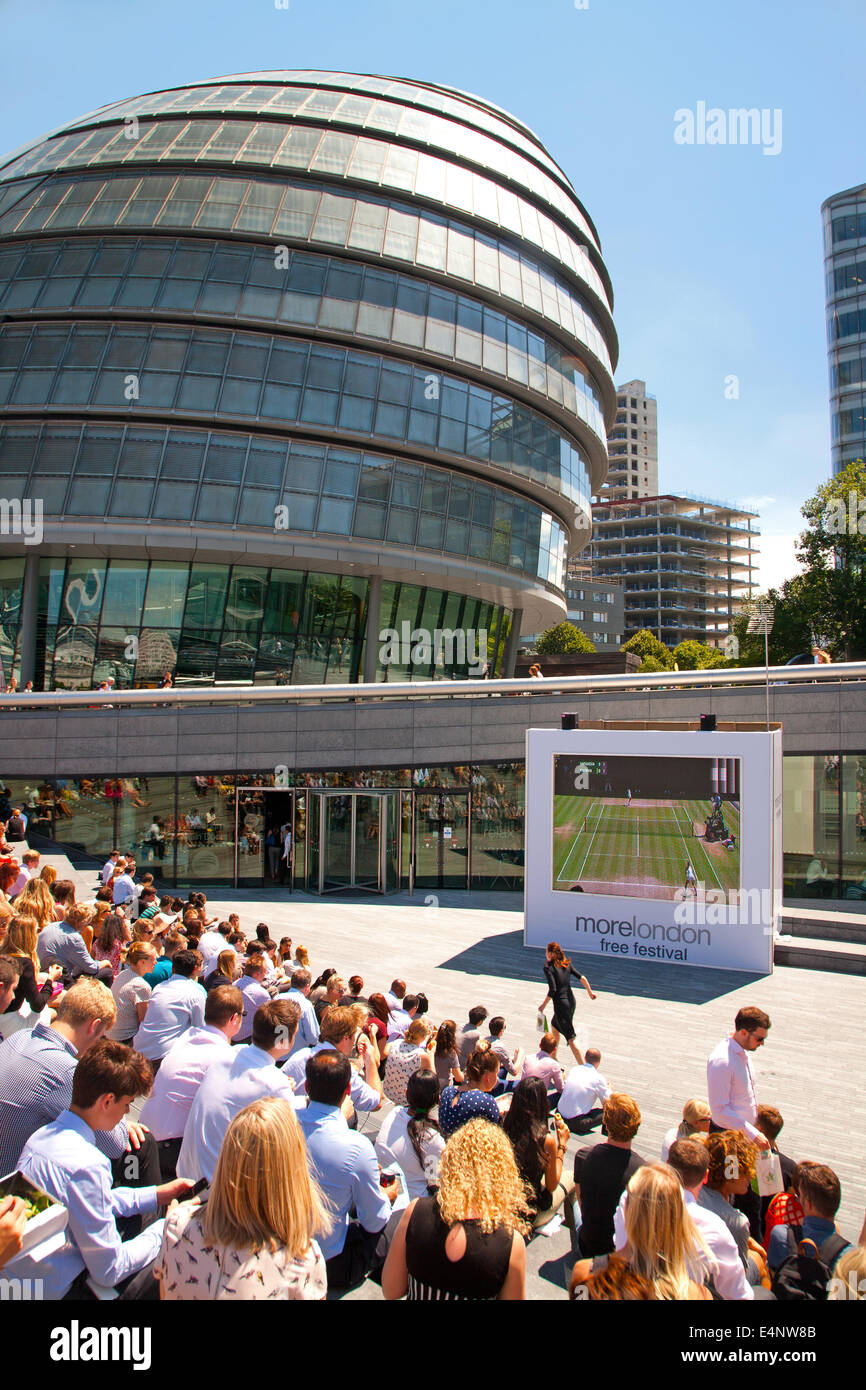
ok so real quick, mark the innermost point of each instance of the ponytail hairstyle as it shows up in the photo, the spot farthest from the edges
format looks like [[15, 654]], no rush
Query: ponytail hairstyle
[[483, 1060], [558, 956], [446, 1038], [422, 1096]]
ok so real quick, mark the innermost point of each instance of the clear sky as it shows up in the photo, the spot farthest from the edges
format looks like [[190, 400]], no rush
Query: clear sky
[[715, 251]]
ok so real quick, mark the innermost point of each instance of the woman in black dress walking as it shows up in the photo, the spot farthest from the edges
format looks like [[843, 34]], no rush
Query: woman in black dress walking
[[558, 971]]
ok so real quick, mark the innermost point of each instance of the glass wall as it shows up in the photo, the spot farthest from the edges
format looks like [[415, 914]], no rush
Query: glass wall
[[465, 815], [207, 624]]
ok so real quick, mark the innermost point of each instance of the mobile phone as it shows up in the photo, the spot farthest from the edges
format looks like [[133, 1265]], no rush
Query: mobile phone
[[194, 1191], [386, 1179]]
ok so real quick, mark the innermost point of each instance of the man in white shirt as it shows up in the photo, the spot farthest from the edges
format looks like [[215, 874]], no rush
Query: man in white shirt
[[340, 1032], [396, 994], [235, 1081], [730, 1085], [166, 1110], [108, 867], [174, 1008], [252, 987], [402, 1017], [583, 1096], [63, 1160], [211, 944]]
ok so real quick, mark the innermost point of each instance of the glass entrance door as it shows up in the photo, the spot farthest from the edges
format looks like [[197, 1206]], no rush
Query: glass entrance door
[[442, 839], [357, 841]]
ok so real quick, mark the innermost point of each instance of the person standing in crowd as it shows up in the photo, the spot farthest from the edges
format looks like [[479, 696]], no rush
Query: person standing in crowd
[[255, 1237], [466, 1243], [558, 971], [730, 1084]]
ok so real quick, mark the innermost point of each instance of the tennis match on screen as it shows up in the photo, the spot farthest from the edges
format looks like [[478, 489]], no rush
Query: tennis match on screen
[[646, 827]]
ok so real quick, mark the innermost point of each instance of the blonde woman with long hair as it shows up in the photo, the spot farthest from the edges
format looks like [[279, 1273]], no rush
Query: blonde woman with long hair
[[663, 1245], [696, 1120], [36, 900], [48, 875], [255, 1236], [467, 1241], [34, 989]]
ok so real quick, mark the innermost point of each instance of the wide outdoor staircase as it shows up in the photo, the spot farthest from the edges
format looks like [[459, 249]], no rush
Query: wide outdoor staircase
[[822, 938]]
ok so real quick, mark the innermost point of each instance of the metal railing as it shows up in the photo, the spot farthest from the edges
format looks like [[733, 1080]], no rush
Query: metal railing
[[588, 684]]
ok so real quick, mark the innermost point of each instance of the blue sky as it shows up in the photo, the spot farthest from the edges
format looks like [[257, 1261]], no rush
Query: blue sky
[[715, 251]]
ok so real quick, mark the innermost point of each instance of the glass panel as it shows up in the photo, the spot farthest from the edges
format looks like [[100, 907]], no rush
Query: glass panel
[[336, 842], [811, 826], [124, 592], [166, 594], [205, 829]]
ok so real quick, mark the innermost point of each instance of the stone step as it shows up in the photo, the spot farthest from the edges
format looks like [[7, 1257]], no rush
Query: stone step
[[815, 953], [826, 924]]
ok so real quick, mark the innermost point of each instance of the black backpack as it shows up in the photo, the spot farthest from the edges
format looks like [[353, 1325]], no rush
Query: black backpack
[[806, 1271]]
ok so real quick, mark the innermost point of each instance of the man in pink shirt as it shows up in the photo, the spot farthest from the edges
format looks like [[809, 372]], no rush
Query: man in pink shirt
[[544, 1064]]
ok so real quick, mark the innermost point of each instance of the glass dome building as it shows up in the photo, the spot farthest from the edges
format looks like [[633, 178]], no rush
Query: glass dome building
[[287, 360]]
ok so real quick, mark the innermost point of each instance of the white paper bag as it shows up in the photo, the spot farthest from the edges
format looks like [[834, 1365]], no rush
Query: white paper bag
[[769, 1172]]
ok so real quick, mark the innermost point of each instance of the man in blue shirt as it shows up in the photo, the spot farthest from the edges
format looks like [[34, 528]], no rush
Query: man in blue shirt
[[308, 1028], [174, 1008], [347, 1170], [63, 1160], [819, 1193], [61, 943], [174, 941]]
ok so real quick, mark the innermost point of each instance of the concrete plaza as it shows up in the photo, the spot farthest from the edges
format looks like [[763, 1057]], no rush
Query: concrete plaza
[[655, 1024]]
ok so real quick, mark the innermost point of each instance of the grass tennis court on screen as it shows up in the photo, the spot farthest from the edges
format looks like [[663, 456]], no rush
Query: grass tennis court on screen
[[641, 850]]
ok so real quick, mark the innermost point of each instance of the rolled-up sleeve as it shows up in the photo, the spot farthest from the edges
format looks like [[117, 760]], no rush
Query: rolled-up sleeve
[[371, 1204], [93, 1207], [362, 1094]]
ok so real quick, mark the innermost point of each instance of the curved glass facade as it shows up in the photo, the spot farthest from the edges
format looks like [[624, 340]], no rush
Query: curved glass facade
[[133, 620], [370, 227], [359, 323], [845, 268], [311, 291]]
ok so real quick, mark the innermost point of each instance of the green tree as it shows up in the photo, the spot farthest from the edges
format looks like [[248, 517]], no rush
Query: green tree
[[829, 596], [563, 639], [652, 663], [691, 655], [791, 632], [644, 644]]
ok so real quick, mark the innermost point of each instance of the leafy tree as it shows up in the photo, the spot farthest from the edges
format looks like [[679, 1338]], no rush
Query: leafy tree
[[829, 597], [651, 663], [562, 640], [644, 644], [691, 655]]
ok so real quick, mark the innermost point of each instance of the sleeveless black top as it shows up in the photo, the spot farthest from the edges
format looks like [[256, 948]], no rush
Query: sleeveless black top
[[433, 1277]]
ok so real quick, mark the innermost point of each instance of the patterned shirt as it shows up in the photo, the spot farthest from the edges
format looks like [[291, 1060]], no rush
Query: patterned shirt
[[191, 1270]]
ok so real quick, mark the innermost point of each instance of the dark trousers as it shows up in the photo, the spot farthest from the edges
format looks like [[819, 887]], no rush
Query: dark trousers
[[363, 1254], [584, 1124], [169, 1153], [138, 1168]]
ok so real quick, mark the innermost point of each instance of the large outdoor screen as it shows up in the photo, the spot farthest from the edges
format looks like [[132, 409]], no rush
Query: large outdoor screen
[[645, 827]]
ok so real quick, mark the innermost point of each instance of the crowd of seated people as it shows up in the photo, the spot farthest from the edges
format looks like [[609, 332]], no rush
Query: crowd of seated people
[[247, 1174]]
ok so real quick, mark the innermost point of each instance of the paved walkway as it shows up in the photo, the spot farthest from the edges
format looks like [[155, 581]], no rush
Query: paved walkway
[[654, 1025]]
